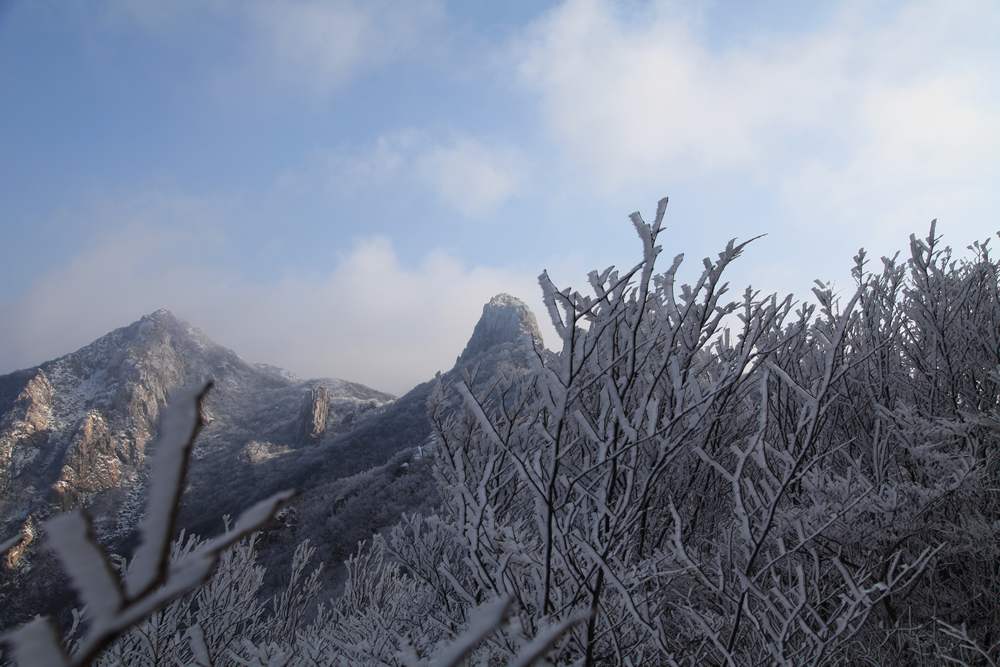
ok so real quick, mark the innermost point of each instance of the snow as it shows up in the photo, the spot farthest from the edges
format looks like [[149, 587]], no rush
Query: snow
[[483, 621], [71, 537], [178, 426], [35, 644]]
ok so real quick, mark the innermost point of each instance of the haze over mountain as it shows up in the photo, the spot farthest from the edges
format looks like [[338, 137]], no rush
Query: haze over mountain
[[74, 431]]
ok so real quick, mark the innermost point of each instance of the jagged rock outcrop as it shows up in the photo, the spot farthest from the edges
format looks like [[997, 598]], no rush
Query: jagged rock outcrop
[[256, 452], [315, 411], [24, 427], [362, 480], [505, 320], [92, 462], [15, 556]]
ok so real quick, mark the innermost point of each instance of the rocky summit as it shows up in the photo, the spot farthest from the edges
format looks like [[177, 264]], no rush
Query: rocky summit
[[505, 320]]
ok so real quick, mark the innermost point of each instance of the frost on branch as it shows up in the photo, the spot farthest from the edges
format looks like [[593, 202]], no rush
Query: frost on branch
[[754, 480], [154, 579]]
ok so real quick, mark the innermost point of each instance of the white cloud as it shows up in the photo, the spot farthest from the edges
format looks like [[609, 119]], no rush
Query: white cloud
[[319, 45], [629, 93], [469, 175], [863, 128], [387, 158], [870, 108], [370, 318], [324, 43]]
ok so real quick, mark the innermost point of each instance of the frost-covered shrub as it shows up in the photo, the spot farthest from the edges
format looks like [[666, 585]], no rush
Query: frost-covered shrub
[[226, 621], [748, 481]]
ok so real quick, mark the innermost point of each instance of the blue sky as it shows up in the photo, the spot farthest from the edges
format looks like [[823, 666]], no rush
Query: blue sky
[[337, 187]]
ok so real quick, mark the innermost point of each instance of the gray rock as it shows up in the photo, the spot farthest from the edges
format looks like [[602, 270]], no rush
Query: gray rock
[[505, 319], [24, 427], [315, 411]]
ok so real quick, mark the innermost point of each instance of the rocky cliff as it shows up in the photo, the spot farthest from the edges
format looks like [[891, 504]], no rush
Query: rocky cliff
[[25, 425], [361, 480]]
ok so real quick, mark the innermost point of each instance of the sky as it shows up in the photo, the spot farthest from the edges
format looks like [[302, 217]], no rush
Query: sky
[[338, 186]]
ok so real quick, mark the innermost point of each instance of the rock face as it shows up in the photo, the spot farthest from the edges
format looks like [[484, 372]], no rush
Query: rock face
[[360, 481], [505, 320], [92, 464], [256, 452], [13, 558], [24, 426], [315, 412]]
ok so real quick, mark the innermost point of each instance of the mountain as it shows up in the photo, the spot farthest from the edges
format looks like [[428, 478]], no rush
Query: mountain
[[77, 426], [73, 432]]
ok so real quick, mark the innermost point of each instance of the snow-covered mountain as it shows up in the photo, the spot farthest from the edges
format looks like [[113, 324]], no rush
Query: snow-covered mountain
[[73, 432]]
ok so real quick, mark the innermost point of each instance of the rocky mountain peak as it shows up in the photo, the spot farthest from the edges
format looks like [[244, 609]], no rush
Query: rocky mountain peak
[[161, 315], [505, 319], [163, 323], [161, 320]]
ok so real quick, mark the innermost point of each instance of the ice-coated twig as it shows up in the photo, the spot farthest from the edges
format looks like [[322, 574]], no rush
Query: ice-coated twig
[[543, 642], [483, 621], [179, 428]]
